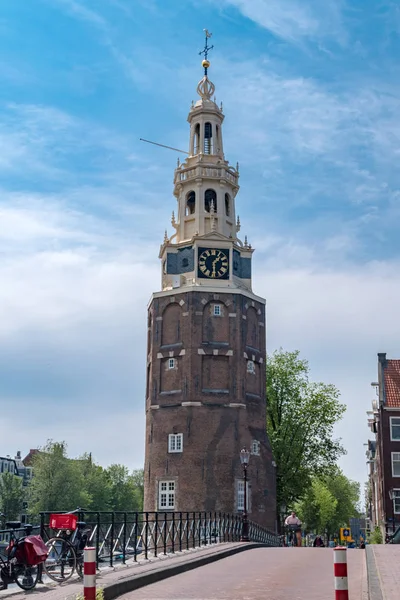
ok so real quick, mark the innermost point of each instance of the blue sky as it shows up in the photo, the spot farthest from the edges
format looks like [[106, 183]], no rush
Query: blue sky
[[311, 96]]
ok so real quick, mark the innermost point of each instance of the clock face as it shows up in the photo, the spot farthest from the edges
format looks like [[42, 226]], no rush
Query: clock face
[[213, 263]]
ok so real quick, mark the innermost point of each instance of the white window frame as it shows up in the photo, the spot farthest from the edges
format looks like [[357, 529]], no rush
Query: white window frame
[[166, 495], [251, 367], [397, 454], [217, 311], [396, 500], [171, 363], [393, 439], [175, 442], [255, 447]]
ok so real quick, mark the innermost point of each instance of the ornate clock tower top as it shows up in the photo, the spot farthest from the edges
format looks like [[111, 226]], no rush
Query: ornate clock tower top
[[205, 248]]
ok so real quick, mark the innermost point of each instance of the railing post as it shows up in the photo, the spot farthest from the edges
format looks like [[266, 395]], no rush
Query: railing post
[[199, 529], [156, 531], [173, 534], [194, 530], [124, 539], [112, 540], [187, 530], [97, 539], [146, 530], [180, 532], [136, 537], [165, 532]]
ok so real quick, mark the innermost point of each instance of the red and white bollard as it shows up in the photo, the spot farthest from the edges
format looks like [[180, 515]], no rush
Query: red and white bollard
[[340, 573], [89, 573]]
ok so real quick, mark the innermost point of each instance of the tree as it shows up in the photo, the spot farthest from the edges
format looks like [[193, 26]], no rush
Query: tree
[[138, 482], [329, 503], [11, 496], [97, 484], [125, 496], [300, 419], [58, 482]]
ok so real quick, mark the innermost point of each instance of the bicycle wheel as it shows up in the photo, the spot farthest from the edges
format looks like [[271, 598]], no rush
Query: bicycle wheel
[[61, 561], [25, 577]]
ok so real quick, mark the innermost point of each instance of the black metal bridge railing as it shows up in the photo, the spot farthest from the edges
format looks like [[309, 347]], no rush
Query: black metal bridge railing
[[119, 536]]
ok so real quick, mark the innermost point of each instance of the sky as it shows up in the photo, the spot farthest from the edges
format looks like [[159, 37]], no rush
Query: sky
[[311, 94]]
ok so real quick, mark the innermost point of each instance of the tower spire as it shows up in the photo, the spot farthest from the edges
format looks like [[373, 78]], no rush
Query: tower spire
[[205, 51]]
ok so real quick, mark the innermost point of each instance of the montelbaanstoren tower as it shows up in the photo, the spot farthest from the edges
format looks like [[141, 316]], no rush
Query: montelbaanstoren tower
[[205, 392]]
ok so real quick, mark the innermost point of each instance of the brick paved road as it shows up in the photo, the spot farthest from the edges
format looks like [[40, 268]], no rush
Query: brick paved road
[[387, 560], [262, 574]]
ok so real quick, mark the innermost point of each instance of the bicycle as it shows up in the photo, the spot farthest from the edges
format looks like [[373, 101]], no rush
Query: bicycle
[[291, 536], [66, 547], [14, 569]]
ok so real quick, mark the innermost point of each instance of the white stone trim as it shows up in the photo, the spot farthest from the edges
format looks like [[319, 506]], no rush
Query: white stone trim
[[158, 318], [232, 314], [182, 352], [185, 314], [215, 352], [171, 353], [244, 317], [245, 355], [154, 406], [236, 405], [200, 351], [160, 355], [181, 302], [191, 404], [229, 353], [204, 288]]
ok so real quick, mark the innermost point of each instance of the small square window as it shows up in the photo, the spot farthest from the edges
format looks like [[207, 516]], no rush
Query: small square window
[[175, 442], [251, 367], [255, 447], [217, 310], [171, 363]]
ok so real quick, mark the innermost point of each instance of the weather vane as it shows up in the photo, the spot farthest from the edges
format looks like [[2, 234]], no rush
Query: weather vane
[[207, 48]]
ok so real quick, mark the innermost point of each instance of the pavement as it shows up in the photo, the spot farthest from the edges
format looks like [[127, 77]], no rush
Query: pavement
[[262, 573], [383, 563]]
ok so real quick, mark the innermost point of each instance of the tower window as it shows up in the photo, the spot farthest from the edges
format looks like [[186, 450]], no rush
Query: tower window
[[255, 447], [217, 310], [210, 196], [251, 367], [227, 205], [171, 363], [190, 203], [166, 495], [196, 145], [217, 138], [175, 442], [208, 141]]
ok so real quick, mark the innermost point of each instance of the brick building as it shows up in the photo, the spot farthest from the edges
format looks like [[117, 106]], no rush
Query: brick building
[[383, 452], [205, 392]]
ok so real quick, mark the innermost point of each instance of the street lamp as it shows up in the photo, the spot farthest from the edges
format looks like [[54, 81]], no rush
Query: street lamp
[[391, 496], [244, 459]]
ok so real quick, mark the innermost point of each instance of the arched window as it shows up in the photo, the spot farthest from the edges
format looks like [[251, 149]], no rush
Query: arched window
[[227, 205], [190, 203], [210, 196], [208, 141], [196, 145], [217, 140]]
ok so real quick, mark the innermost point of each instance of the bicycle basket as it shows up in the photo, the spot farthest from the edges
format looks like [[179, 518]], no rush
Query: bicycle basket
[[63, 521]]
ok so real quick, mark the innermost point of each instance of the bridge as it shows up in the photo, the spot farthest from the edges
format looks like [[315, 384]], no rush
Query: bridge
[[200, 556]]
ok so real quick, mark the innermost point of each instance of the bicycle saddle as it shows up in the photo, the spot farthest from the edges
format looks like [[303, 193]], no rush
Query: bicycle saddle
[[80, 524], [13, 524]]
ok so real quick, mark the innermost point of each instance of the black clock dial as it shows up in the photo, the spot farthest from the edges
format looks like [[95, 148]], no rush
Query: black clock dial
[[213, 263]]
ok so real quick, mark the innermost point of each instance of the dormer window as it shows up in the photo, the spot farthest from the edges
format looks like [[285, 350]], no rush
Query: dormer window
[[208, 141]]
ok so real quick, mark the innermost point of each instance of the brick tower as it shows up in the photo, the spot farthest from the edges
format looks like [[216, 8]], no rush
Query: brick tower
[[205, 392]]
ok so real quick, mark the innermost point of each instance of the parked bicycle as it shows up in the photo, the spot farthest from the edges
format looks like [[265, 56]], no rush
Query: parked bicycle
[[22, 557], [66, 548]]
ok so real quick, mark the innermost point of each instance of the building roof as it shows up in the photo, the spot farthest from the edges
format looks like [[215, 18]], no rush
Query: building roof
[[392, 383]]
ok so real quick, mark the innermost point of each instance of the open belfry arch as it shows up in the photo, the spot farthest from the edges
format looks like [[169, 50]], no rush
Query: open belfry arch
[[205, 392]]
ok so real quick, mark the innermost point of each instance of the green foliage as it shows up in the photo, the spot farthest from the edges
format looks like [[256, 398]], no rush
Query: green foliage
[[376, 536], [300, 420], [11, 496], [58, 483], [61, 483], [329, 503]]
